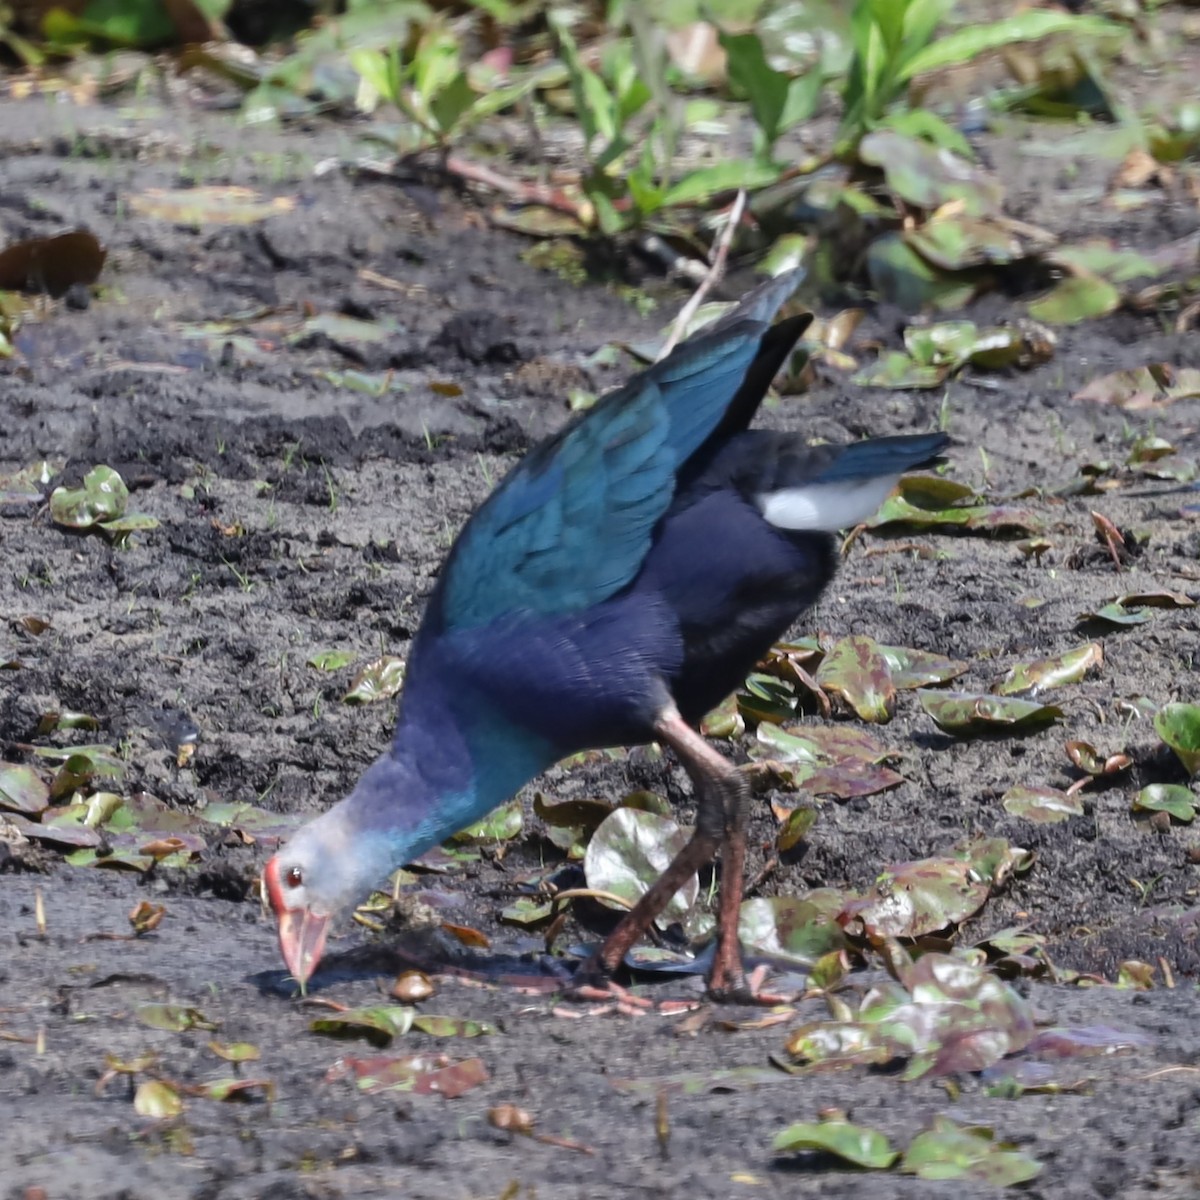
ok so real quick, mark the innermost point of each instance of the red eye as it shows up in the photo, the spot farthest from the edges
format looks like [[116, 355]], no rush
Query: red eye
[[294, 877]]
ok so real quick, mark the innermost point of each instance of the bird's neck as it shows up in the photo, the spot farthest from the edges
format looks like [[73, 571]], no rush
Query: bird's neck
[[453, 759]]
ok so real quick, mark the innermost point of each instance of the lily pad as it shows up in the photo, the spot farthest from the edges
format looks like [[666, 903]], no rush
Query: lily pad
[[825, 760], [855, 1144], [157, 1099], [379, 1023], [792, 929], [1042, 674], [627, 854], [1116, 614], [22, 789], [911, 669], [857, 670], [1172, 798], [1042, 805], [928, 176], [952, 1151], [1179, 726], [380, 679], [1076, 298], [331, 660], [966, 714], [918, 505], [915, 898], [175, 1018], [500, 825]]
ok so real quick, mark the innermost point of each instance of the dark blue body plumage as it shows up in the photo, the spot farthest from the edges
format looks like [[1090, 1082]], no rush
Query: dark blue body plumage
[[617, 585]]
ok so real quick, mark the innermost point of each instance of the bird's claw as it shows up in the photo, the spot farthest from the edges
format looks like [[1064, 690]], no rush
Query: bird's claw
[[737, 988]]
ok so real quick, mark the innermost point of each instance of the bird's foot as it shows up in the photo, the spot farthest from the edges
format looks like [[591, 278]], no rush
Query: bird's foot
[[592, 983], [735, 987]]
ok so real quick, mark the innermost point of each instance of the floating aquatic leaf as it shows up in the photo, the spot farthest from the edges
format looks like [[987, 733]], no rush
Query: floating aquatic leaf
[[1179, 726], [898, 371], [437, 1026], [918, 504], [916, 898], [1076, 298], [795, 828], [379, 1023], [912, 669], [500, 825], [22, 789], [331, 660], [1045, 673], [209, 205], [856, 1144], [527, 912], [1115, 613], [629, 851], [952, 1151], [235, 1089], [1042, 805], [825, 760], [966, 714], [792, 929], [725, 721], [251, 823], [378, 680], [235, 1051], [857, 670], [52, 265], [945, 1013], [928, 176], [992, 859], [421, 1074], [1153, 386], [905, 278], [349, 334], [157, 1099], [955, 240], [175, 1018], [1172, 798], [102, 498]]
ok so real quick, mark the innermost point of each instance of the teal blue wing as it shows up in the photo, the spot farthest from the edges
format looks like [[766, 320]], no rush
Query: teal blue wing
[[571, 523]]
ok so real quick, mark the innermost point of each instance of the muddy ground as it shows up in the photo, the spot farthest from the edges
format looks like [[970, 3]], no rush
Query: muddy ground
[[296, 516]]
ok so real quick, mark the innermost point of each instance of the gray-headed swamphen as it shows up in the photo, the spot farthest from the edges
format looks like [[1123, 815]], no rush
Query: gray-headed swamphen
[[619, 583]]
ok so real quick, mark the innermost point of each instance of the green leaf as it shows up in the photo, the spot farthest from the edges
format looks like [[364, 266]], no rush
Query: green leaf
[[1172, 798], [175, 1018], [966, 714], [1179, 726], [379, 1024], [1076, 298], [1042, 674], [1042, 805], [500, 825], [629, 851], [968, 42], [857, 1144], [912, 899], [765, 88], [792, 929], [331, 660], [157, 1100], [857, 670], [700, 184], [951, 1151], [102, 498], [825, 760], [378, 680], [22, 789]]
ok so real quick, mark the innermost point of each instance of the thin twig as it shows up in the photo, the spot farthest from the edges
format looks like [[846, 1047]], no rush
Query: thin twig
[[715, 271]]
